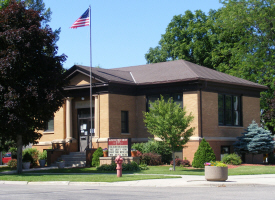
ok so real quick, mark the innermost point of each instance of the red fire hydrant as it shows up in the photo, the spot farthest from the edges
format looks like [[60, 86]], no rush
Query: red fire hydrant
[[119, 162]]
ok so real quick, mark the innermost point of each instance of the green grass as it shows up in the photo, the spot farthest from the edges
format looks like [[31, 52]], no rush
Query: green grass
[[252, 170], [92, 175], [80, 178], [241, 170]]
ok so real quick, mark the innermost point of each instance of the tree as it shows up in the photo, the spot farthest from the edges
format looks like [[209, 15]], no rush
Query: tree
[[169, 122], [204, 154], [254, 54], [31, 81], [255, 140], [186, 38], [237, 39]]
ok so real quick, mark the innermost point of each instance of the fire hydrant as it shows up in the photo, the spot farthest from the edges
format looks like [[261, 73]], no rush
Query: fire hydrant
[[119, 162]]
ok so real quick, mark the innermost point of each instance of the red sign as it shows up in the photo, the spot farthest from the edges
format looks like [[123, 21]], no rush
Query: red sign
[[118, 142]]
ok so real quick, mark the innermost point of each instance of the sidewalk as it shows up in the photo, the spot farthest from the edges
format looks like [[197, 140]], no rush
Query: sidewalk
[[185, 181]]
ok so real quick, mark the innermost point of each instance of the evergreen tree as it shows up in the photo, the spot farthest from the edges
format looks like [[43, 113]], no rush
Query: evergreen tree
[[255, 140], [204, 154]]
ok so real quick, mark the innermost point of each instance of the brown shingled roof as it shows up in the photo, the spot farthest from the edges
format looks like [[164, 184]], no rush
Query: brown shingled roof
[[165, 72]]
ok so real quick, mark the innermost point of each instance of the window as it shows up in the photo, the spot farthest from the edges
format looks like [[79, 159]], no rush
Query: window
[[177, 98], [229, 110], [50, 125], [124, 122]]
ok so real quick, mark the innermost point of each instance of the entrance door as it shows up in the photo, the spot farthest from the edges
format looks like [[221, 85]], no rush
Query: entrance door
[[84, 129]]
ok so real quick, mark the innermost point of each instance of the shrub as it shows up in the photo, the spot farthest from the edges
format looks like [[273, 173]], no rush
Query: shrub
[[232, 159], [180, 162], [158, 147], [204, 154], [43, 155], [185, 163], [105, 167], [95, 160], [27, 157], [151, 159], [34, 154], [143, 167], [12, 163], [133, 166]]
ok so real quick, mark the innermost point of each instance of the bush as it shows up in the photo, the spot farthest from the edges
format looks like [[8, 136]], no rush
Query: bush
[[143, 167], [27, 157], [34, 154], [151, 159], [95, 160], [204, 154], [105, 167], [158, 147], [133, 166], [12, 163], [180, 162], [232, 159], [43, 155]]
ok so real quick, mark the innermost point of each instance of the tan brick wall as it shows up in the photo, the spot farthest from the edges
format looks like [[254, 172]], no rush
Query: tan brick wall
[[190, 149], [118, 103], [210, 122], [104, 115], [59, 127], [191, 103]]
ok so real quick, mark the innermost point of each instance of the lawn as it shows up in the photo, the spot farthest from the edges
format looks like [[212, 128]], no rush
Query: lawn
[[154, 172], [79, 177]]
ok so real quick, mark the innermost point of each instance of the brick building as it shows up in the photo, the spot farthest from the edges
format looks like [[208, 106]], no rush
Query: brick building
[[222, 105]]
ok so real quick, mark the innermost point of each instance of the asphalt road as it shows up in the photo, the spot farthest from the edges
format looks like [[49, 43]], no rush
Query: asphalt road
[[52, 192]]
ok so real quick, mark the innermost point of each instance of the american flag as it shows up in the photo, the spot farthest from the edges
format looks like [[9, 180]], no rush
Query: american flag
[[84, 20]]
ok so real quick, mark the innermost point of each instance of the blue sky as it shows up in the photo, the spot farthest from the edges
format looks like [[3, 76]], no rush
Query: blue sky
[[122, 30]]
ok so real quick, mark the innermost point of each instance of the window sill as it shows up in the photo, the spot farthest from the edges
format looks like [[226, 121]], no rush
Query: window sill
[[48, 132], [125, 133], [224, 126]]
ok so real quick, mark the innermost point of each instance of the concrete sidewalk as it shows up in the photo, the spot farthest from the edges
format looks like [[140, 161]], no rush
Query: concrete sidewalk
[[184, 181]]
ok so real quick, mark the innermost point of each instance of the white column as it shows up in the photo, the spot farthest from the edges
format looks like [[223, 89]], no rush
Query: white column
[[69, 127]]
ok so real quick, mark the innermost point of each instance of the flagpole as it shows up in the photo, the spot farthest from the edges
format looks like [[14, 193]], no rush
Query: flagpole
[[91, 90]]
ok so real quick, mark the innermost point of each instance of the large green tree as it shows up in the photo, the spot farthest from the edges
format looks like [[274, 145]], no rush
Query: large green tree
[[31, 81], [169, 122], [186, 38], [238, 39], [254, 54]]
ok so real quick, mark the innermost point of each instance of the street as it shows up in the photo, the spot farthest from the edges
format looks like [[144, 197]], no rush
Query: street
[[52, 192]]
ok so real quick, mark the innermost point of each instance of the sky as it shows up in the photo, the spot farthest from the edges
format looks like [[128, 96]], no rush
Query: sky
[[122, 30]]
